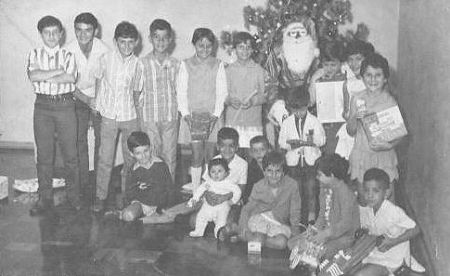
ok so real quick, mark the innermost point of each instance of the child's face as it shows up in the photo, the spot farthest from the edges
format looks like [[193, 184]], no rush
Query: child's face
[[374, 194], [160, 40], [227, 148], [142, 154], [203, 48], [218, 173], [244, 50], [258, 150], [274, 174], [374, 79], [354, 62], [331, 68], [126, 46], [324, 179], [300, 112], [51, 36], [85, 33]]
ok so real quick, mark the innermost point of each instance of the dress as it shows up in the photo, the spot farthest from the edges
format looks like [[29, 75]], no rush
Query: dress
[[362, 157], [201, 88], [245, 81]]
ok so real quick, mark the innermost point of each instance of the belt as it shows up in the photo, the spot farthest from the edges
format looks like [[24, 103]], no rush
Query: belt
[[56, 98]]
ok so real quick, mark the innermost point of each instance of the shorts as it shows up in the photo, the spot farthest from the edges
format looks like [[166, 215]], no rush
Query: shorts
[[265, 223], [146, 209]]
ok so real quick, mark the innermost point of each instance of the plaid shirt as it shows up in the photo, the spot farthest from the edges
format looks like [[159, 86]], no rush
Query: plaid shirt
[[52, 59], [115, 98], [158, 82]]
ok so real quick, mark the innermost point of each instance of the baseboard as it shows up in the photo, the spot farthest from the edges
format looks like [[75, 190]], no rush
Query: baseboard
[[16, 145]]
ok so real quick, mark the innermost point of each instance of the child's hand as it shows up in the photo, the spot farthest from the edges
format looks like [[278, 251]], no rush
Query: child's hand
[[386, 244], [378, 145], [360, 114], [234, 102], [247, 105]]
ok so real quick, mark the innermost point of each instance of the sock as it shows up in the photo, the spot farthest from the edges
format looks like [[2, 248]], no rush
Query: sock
[[196, 175]]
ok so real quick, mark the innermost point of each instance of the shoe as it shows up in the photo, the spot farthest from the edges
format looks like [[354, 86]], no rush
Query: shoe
[[41, 207], [98, 205]]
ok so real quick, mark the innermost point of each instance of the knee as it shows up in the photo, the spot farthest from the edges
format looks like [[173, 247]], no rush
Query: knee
[[128, 215], [278, 242]]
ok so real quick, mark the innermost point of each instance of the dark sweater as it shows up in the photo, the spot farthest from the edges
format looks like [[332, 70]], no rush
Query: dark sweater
[[254, 174]]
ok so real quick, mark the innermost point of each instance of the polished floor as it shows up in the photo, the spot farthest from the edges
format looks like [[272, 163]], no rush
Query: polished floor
[[66, 242]]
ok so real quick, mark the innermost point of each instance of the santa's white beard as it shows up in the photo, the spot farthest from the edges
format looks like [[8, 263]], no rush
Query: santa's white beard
[[299, 56]]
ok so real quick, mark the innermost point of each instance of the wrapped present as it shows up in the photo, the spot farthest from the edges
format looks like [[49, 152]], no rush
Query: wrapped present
[[201, 126], [386, 125], [305, 251], [345, 260]]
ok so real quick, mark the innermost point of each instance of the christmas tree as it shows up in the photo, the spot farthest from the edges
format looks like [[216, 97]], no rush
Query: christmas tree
[[266, 22]]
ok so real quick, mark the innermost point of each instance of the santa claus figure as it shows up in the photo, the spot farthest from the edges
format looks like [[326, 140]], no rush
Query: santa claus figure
[[289, 65]]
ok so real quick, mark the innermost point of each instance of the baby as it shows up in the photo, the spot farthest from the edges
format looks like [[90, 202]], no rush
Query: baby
[[217, 183]]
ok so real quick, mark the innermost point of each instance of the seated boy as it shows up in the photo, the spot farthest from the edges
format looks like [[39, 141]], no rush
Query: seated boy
[[259, 146], [272, 214], [383, 218], [53, 72], [302, 135]]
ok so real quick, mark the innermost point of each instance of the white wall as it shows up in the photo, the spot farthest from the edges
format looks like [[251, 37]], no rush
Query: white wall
[[18, 34]]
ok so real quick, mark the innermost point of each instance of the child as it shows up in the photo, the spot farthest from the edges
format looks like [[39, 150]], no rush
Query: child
[[217, 183], [149, 180], [371, 154], [302, 135], [87, 50], [338, 216], [259, 146], [201, 93], [272, 213], [115, 104], [155, 80], [53, 72], [382, 217], [245, 91], [332, 54]]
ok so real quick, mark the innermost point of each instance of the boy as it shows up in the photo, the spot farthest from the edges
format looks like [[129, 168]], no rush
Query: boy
[[155, 83], [87, 50], [302, 135], [331, 58], [382, 217], [115, 104], [272, 213], [148, 181], [259, 146], [52, 71]]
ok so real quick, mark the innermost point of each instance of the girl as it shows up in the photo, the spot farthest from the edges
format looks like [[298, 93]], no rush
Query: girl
[[201, 93], [217, 170], [338, 216], [376, 97], [246, 91]]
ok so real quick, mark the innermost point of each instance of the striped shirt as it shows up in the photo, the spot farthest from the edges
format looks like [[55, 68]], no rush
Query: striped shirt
[[157, 82], [48, 59], [115, 96]]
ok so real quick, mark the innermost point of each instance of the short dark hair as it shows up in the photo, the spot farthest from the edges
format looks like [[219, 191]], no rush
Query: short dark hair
[[200, 33], [228, 133], [243, 37], [160, 24], [377, 175], [86, 18], [126, 30], [332, 50], [357, 46], [297, 97], [49, 21], [274, 158], [260, 139], [376, 61], [218, 162], [333, 164], [137, 139]]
